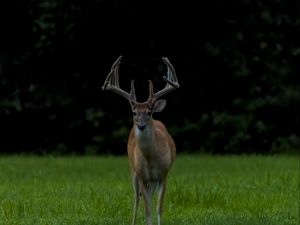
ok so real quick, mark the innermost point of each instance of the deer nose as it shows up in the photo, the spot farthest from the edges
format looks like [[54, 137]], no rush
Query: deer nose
[[141, 127]]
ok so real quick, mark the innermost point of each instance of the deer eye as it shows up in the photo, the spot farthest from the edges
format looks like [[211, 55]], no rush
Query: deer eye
[[134, 113]]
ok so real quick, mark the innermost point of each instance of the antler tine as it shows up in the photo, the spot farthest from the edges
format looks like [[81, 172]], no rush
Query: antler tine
[[151, 98], [132, 92], [111, 77], [116, 67], [171, 74], [171, 79], [111, 83]]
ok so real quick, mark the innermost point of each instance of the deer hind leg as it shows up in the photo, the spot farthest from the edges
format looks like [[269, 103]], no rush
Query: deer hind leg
[[161, 193]]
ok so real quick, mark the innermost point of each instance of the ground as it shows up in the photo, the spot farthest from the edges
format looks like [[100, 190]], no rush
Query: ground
[[202, 189]]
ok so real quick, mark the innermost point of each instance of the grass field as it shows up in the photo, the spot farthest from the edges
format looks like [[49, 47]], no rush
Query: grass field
[[202, 189]]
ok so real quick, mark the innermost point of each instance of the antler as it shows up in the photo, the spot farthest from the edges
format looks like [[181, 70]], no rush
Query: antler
[[112, 83], [172, 83]]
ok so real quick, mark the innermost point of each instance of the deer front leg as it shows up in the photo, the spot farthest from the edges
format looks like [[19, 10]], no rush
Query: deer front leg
[[161, 193], [136, 188], [147, 190]]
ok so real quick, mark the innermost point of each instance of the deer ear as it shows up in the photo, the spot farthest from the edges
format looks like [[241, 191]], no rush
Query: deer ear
[[159, 105]]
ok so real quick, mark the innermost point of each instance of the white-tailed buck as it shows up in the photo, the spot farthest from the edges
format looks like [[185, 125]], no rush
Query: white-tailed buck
[[151, 149]]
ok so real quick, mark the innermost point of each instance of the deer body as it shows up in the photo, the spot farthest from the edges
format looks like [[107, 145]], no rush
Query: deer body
[[151, 149], [151, 153]]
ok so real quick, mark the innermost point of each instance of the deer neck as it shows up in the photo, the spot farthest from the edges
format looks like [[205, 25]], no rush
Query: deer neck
[[146, 139]]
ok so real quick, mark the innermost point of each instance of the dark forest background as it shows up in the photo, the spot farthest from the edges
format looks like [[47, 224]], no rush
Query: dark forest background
[[237, 63]]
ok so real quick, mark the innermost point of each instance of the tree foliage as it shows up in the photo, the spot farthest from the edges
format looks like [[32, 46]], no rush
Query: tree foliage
[[237, 65]]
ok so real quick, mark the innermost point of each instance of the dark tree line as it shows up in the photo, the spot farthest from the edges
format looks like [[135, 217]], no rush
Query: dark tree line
[[237, 64]]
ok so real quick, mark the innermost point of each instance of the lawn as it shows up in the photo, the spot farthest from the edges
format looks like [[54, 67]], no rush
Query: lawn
[[202, 190]]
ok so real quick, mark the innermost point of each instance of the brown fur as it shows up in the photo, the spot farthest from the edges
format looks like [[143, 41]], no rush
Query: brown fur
[[162, 154]]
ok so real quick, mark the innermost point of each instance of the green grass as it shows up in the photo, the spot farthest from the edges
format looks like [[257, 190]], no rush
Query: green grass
[[211, 190]]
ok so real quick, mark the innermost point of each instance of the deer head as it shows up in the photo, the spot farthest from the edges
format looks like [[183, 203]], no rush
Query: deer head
[[142, 112]]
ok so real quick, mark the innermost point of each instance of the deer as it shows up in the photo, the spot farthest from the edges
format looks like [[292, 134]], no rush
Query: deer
[[151, 149]]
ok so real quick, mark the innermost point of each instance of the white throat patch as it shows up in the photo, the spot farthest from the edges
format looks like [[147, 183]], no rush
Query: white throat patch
[[144, 137]]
